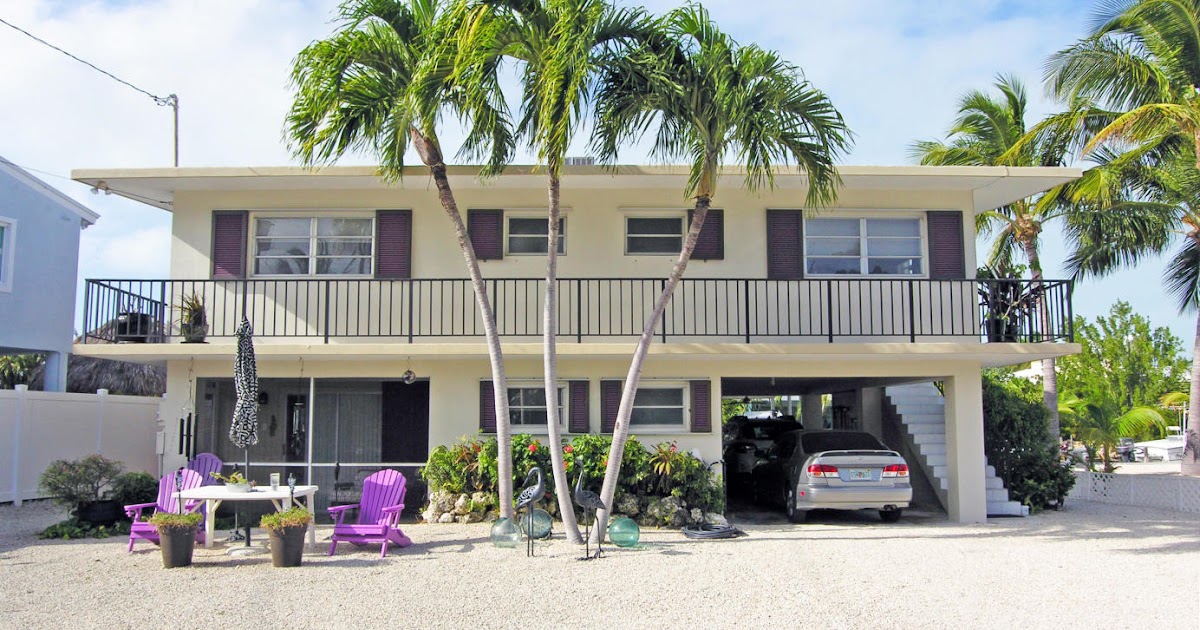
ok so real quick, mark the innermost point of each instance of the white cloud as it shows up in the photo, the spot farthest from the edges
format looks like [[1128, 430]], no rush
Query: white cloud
[[894, 68]]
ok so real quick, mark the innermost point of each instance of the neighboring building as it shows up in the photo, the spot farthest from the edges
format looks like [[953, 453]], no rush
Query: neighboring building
[[349, 282], [39, 259]]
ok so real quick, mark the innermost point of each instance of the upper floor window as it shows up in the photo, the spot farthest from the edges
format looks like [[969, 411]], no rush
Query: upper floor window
[[863, 247], [527, 408], [7, 251], [653, 235], [313, 246], [527, 235]]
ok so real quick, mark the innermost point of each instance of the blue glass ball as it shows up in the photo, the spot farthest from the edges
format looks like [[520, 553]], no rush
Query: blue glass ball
[[505, 534], [624, 532], [541, 524]]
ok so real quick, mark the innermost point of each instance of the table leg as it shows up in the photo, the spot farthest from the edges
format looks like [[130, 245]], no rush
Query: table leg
[[312, 530], [210, 522]]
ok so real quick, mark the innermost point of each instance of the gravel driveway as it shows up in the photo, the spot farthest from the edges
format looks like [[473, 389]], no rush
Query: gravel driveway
[[1089, 565]]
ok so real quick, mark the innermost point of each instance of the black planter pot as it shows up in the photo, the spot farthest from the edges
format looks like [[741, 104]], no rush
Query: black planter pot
[[194, 332], [134, 327], [287, 546], [177, 544], [100, 512]]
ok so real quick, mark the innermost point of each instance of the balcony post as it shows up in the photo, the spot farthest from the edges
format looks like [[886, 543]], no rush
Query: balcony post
[[87, 302], [662, 286], [1070, 284], [912, 309], [746, 306], [326, 321], [410, 310], [578, 310], [829, 307]]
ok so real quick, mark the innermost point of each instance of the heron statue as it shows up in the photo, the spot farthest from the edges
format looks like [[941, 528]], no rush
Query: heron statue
[[590, 502], [528, 498]]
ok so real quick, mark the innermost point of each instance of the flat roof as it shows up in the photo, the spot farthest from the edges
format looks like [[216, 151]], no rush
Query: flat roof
[[991, 186]]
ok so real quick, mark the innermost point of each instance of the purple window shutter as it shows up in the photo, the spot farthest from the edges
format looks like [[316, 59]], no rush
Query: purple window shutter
[[229, 228], [487, 407], [577, 416], [710, 245], [701, 421], [947, 259], [393, 244], [486, 229], [610, 402], [785, 244]]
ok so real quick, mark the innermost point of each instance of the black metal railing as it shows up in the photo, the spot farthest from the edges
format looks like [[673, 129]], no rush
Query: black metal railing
[[722, 309]]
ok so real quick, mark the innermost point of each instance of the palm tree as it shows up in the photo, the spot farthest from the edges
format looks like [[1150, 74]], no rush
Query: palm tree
[[381, 84], [1098, 422], [560, 46], [1142, 59], [711, 99], [991, 131]]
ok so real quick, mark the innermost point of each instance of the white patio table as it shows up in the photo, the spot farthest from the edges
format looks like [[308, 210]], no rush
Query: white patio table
[[214, 495]]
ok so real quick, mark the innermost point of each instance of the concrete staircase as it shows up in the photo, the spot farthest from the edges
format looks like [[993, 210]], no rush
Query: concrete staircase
[[921, 410]]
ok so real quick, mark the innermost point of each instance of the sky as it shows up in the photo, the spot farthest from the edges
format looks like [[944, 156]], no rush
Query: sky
[[894, 68]]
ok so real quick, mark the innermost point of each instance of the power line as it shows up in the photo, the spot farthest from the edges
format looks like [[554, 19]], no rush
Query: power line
[[170, 100]]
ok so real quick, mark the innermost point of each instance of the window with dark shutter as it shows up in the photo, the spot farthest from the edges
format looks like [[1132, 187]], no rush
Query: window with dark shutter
[[710, 245], [785, 236], [486, 229], [610, 402], [487, 407], [393, 244], [701, 401], [229, 243], [947, 258], [578, 422]]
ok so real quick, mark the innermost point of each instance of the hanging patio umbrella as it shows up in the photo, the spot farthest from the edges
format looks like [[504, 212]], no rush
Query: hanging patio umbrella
[[243, 431]]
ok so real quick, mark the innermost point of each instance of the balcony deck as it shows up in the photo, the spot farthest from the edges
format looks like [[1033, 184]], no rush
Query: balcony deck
[[726, 311]]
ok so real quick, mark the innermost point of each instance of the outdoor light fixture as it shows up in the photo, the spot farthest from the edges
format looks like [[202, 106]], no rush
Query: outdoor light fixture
[[409, 377]]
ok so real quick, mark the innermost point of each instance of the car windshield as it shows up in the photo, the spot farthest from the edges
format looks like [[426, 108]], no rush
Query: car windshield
[[766, 431], [839, 441]]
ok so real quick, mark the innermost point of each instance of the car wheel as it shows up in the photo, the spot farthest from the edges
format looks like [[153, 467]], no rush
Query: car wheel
[[890, 516], [789, 502]]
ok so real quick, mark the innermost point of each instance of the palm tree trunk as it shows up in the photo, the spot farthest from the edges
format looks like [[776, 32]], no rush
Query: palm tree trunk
[[1049, 374], [625, 410], [1193, 413], [432, 157], [550, 352]]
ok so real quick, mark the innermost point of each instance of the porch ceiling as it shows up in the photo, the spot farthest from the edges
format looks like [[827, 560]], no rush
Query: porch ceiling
[[988, 355], [990, 187]]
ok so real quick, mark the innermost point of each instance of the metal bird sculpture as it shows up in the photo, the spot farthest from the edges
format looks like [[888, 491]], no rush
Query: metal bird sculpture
[[528, 498], [590, 502]]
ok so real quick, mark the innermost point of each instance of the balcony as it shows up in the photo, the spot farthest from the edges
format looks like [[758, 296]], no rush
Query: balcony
[[726, 310]]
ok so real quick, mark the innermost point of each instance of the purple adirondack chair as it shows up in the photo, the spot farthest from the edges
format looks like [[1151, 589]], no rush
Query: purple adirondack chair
[[378, 514], [168, 501], [206, 463]]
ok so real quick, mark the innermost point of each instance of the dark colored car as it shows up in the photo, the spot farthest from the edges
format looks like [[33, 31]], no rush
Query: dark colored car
[[747, 441], [833, 470]]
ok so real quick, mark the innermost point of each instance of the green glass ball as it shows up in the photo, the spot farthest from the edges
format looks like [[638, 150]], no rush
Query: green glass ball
[[541, 524], [624, 532], [505, 534]]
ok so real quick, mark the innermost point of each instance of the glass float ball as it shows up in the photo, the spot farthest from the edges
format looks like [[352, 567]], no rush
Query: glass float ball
[[624, 532], [505, 534], [541, 524]]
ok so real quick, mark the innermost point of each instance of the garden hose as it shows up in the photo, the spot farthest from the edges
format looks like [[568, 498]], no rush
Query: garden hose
[[708, 531]]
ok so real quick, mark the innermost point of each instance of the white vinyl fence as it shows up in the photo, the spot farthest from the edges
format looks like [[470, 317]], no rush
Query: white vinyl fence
[[37, 428], [1178, 493]]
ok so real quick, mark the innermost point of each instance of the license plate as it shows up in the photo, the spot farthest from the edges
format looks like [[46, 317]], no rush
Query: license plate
[[858, 474]]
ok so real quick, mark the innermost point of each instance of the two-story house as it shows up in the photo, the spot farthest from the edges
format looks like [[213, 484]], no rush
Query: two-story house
[[39, 261], [350, 282]]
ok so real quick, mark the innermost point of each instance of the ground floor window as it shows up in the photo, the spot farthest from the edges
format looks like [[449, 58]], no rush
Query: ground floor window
[[527, 408], [660, 406]]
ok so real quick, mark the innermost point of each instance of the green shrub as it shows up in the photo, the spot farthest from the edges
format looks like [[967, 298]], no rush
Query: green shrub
[[170, 520], [1017, 442], [470, 465], [73, 483], [71, 529], [132, 488]]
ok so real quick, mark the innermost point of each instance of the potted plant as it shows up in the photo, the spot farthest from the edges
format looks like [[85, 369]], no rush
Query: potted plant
[[286, 530], [234, 481], [176, 536], [133, 325], [81, 485], [193, 322]]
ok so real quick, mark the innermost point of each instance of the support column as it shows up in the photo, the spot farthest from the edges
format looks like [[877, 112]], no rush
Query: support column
[[967, 494], [55, 372], [810, 411], [870, 410]]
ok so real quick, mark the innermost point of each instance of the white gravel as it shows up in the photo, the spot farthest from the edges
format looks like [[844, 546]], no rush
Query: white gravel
[[1088, 566]]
